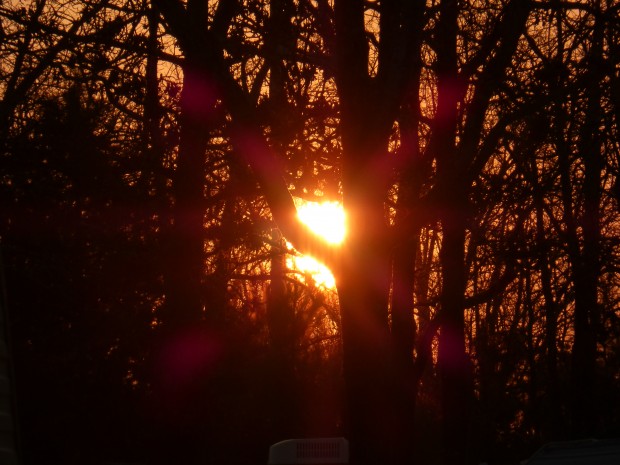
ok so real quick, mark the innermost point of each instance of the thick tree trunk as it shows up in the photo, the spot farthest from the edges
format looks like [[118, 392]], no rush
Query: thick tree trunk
[[454, 365], [185, 267], [366, 359], [414, 169], [281, 373], [363, 288], [403, 339], [363, 277], [183, 411], [588, 269]]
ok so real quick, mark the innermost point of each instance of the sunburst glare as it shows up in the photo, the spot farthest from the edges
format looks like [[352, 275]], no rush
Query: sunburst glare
[[328, 220]]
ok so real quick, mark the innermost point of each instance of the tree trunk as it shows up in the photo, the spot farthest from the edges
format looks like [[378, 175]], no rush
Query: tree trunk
[[454, 365], [280, 317], [185, 267], [403, 340], [183, 314], [414, 169], [363, 276], [363, 287], [366, 359], [587, 266], [551, 414], [454, 369]]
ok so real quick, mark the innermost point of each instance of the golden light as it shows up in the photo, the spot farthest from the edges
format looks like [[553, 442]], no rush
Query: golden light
[[328, 220], [319, 273]]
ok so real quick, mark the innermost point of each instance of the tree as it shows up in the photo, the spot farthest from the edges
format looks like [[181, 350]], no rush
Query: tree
[[473, 146], [372, 78]]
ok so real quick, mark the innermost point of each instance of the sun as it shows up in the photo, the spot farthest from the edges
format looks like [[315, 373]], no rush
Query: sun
[[328, 220], [312, 269]]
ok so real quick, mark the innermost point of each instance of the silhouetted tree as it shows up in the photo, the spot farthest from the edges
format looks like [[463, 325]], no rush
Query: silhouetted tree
[[149, 149]]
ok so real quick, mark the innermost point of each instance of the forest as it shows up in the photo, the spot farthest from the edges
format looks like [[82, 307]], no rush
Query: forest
[[154, 155]]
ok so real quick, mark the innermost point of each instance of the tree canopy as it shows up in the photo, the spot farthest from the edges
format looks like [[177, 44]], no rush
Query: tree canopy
[[153, 154]]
